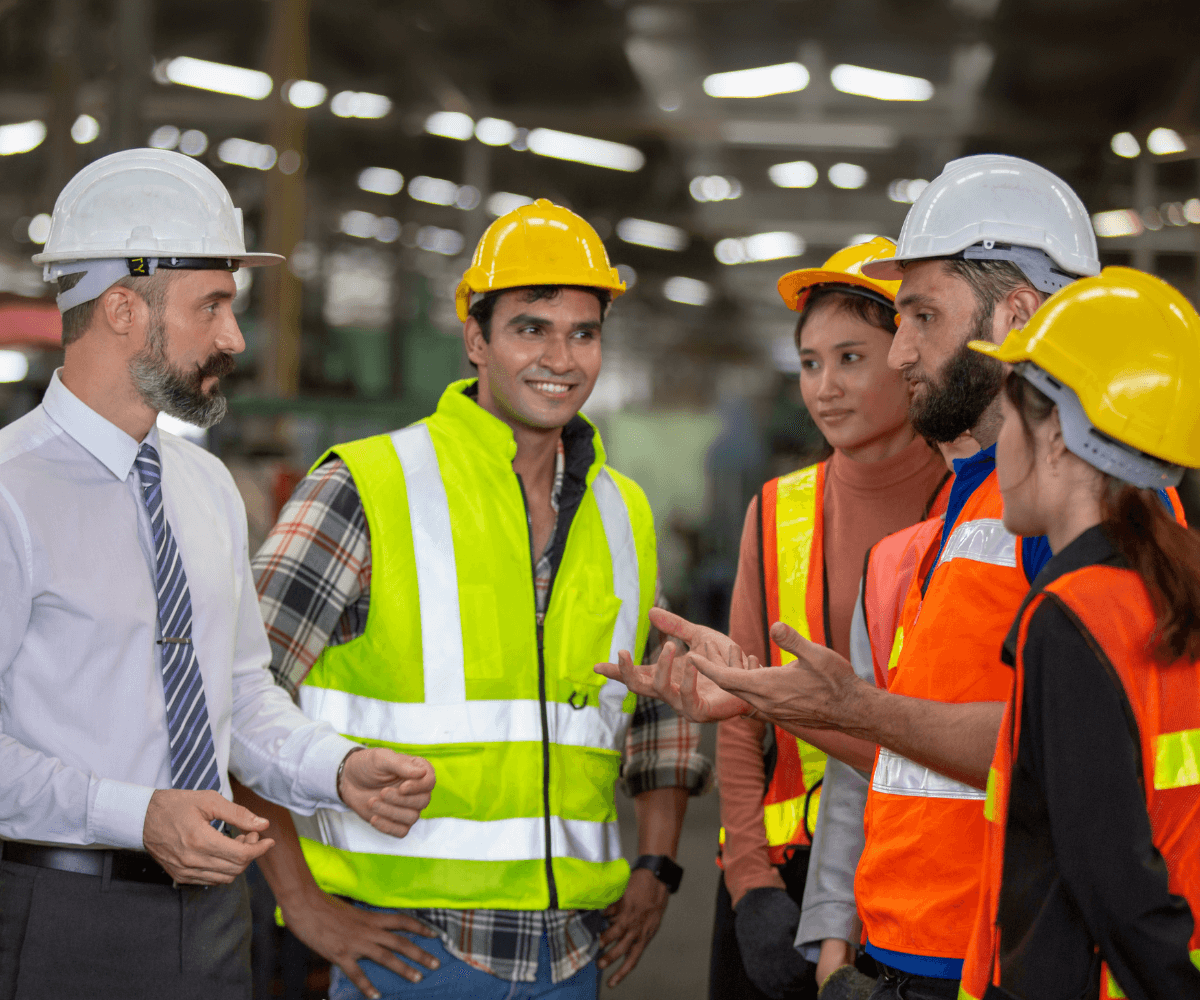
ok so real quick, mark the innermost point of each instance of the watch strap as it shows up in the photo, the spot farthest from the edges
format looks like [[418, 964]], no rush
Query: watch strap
[[662, 868]]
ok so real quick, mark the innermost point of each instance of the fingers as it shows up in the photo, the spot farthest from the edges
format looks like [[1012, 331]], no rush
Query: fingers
[[214, 805], [663, 668], [610, 670], [631, 960], [402, 922], [394, 828], [359, 978], [671, 624], [393, 766]]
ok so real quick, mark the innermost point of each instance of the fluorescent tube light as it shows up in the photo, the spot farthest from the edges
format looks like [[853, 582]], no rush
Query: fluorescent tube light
[[797, 174], [1119, 222], [762, 81], [1165, 140], [645, 233], [450, 124], [847, 176], [584, 149], [879, 84], [381, 180], [21, 137], [219, 78], [503, 202], [305, 93], [688, 291], [495, 131]]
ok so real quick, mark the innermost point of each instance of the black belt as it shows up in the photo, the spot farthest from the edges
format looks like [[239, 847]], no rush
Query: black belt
[[128, 866]]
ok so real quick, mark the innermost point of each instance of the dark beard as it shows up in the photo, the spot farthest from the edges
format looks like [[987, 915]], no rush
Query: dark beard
[[965, 387], [179, 393]]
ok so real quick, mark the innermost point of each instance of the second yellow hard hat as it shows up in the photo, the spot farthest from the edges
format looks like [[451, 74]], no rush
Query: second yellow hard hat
[[843, 268], [538, 244], [1128, 345]]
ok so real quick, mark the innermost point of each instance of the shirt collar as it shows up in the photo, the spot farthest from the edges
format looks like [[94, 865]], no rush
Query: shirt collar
[[107, 443]]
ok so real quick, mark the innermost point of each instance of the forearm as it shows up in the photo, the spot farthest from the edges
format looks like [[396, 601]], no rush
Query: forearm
[[852, 750], [284, 866], [745, 854], [660, 819], [956, 739]]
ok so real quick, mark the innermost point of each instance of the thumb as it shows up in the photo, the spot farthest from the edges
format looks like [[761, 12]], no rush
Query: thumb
[[788, 638], [215, 806], [398, 766]]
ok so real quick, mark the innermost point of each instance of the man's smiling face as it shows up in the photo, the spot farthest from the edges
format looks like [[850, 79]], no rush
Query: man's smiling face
[[542, 358]]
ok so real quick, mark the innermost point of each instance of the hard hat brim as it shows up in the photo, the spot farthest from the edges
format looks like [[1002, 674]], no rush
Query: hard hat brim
[[243, 259], [794, 282], [885, 270], [1009, 352]]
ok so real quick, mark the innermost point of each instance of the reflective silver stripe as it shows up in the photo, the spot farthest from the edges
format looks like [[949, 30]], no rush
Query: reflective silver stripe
[[985, 540], [898, 775], [413, 723], [452, 839], [618, 532], [437, 578]]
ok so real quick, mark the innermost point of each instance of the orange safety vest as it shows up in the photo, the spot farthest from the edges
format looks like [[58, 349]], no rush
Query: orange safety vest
[[917, 883], [887, 577], [1114, 610], [792, 556]]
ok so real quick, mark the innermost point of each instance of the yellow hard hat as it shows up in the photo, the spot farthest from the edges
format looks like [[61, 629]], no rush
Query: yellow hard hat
[[538, 244], [1127, 345], [843, 268]]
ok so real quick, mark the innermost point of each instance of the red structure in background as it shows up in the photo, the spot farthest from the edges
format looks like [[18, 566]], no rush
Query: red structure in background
[[28, 322]]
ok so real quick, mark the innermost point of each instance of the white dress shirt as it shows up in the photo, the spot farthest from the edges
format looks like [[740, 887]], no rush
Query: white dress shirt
[[83, 725]]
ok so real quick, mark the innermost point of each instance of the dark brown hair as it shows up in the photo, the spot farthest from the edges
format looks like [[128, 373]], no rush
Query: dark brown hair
[[482, 309], [1158, 548], [867, 309]]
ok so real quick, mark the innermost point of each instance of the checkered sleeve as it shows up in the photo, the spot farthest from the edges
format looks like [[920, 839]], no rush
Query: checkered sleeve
[[313, 573], [662, 749]]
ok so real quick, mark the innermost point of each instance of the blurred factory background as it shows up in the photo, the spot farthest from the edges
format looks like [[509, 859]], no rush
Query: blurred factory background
[[714, 144]]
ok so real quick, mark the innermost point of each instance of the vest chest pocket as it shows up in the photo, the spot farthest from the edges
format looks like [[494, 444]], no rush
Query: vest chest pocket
[[578, 636]]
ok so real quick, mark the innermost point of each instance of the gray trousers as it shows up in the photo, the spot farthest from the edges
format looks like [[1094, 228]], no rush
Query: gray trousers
[[87, 937]]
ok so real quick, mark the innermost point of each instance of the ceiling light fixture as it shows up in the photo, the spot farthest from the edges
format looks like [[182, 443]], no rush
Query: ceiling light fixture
[[879, 84], [502, 202], [1124, 144], [450, 125], [905, 192], [658, 235], [244, 153], [584, 149], [847, 176], [14, 366], [381, 180], [688, 291], [86, 129], [304, 93], [713, 187], [763, 246], [762, 81], [797, 174], [495, 131], [352, 104], [1163, 141], [1119, 222], [21, 137], [219, 78]]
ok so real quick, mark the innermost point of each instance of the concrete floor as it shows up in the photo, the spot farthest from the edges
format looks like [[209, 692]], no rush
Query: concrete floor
[[675, 965]]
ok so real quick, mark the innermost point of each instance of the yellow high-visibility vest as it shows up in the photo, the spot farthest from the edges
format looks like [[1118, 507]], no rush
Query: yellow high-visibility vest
[[524, 736]]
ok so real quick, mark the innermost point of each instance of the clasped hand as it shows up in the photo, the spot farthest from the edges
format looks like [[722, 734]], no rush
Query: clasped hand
[[385, 788], [711, 678]]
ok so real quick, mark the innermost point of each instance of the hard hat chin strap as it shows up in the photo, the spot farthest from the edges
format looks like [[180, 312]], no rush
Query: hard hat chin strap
[[1095, 447], [1036, 265], [100, 275]]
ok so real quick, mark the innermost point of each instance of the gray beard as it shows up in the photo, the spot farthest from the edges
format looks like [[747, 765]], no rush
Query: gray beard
[[168, 390]]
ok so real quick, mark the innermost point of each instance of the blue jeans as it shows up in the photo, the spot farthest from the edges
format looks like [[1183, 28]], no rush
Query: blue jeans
[[454, 979]]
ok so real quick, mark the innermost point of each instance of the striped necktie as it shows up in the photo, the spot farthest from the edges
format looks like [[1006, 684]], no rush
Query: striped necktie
[[193, 759]]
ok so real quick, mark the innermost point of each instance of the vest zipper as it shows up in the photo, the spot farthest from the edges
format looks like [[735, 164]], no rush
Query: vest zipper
[[542, 707]]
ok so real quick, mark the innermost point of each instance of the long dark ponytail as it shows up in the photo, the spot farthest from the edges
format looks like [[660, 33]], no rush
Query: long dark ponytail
[[1158, 548]]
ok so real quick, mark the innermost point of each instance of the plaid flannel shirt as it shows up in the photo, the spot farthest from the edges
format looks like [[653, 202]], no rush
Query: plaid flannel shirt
[[313, 575]]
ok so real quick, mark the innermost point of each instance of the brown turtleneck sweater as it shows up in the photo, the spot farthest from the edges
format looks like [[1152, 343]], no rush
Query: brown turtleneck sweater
[[863, 502]]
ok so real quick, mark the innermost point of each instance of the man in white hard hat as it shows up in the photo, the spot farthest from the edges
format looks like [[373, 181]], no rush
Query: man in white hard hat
[[133, 660], [988, 241]]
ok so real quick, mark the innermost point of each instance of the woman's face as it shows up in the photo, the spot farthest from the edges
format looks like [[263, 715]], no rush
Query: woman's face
[[856, 400]]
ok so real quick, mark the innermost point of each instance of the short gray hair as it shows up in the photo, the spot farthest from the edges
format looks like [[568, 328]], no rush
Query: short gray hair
[[76, 320]]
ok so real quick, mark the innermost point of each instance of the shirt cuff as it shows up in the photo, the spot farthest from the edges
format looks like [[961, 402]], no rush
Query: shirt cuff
[[830, 919], [117, 813], [318, 772]]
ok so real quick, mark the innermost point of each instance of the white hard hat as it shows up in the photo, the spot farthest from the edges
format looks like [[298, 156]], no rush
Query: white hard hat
[[137, 210], [993, 207]]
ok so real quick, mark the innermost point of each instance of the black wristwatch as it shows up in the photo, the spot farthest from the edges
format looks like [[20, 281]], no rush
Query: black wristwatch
[[662, 868]]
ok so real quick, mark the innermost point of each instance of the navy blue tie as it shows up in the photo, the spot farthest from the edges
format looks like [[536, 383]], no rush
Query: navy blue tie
[[193, 759]]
